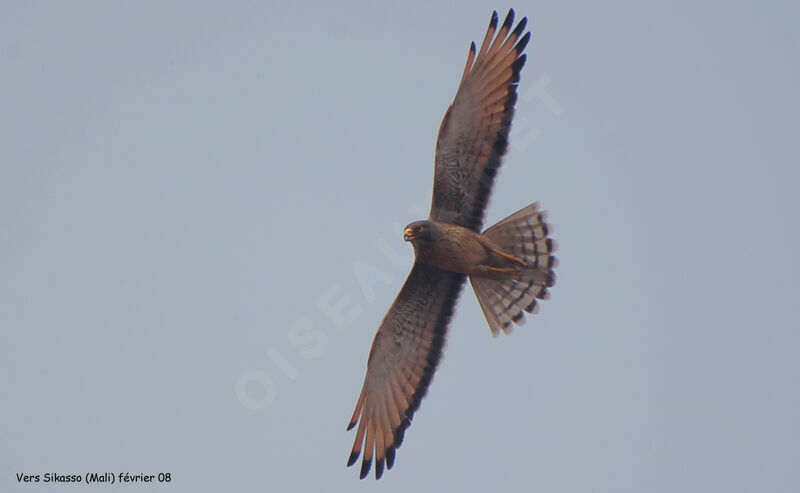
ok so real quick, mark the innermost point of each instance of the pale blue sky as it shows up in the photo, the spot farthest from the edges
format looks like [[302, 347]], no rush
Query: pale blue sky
[[187, 189]]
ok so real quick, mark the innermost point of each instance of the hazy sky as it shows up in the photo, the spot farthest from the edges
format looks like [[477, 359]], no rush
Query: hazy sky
[[191, 191]]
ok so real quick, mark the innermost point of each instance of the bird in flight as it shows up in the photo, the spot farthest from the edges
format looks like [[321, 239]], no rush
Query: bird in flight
[[510, 265]]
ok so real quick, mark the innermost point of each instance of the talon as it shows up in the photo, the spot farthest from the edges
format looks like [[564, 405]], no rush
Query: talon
[[511, 258], [502, 270]]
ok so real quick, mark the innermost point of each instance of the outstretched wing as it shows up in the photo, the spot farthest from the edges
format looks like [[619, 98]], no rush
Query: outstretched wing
[[404, 355], [473, 136]]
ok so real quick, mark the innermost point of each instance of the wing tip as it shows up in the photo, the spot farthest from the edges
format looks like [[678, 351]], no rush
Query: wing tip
[[523, 42], [523, 23], [509, 19], [516, 67], [353, 457], [400, 431], [378, 469], [390, 456], [365, 467]]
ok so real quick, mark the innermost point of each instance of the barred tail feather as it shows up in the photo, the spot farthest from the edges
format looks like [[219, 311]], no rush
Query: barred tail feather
[[503, 300]]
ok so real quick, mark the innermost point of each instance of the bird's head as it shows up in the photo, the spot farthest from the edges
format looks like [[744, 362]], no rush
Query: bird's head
[[421, 231]]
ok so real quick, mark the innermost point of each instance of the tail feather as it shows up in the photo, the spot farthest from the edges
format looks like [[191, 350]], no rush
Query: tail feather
[[491, 305], [503, 299]]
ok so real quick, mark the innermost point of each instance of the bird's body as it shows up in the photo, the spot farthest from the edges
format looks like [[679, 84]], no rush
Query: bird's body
[[461, 250], [510, 265]]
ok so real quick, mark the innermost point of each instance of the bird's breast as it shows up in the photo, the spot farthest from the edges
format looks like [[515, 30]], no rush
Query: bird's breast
[[457, 250]]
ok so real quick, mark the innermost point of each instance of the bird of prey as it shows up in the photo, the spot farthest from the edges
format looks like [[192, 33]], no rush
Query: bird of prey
[[510, 265]]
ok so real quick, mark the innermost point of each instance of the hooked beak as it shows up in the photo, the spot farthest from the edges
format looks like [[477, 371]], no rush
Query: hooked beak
[[408, 235]]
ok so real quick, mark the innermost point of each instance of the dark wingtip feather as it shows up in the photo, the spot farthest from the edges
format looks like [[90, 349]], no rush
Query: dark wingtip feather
[[353, 457], [517, 30], [365, 466], [500, 146], [493, 22], [351, 425], [389, 457], [378, 469], [516, 68], [509, 19], [399, 433], [523, 42]]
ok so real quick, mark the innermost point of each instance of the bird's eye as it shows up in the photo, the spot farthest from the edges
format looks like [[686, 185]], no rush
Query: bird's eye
[[420, 229]]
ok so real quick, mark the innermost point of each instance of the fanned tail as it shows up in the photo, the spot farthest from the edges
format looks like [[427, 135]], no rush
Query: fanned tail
[[504, 298]]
